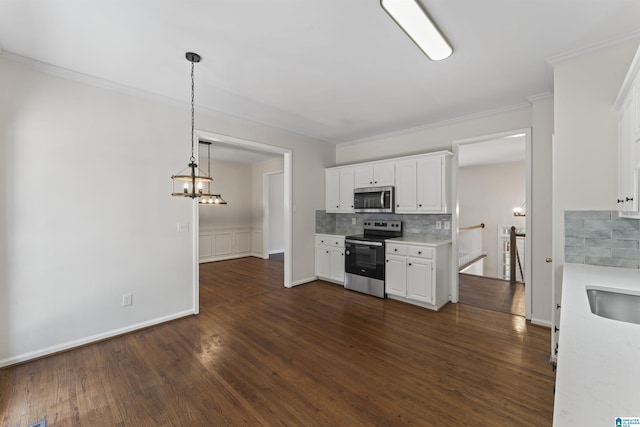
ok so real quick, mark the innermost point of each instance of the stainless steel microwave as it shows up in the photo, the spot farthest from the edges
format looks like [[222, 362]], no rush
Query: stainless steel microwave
[[374, 199]]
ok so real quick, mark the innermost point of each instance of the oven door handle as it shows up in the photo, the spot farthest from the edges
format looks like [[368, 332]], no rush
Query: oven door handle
[[364, 243]]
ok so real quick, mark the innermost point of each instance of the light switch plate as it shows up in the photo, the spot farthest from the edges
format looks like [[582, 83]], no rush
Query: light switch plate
[[183, 227]]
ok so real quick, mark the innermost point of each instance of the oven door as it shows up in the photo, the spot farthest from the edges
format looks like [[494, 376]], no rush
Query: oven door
[[364, 258]]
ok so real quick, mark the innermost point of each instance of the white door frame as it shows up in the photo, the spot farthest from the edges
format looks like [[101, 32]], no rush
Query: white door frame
[[202, 135], [454, 218], [266, 229]]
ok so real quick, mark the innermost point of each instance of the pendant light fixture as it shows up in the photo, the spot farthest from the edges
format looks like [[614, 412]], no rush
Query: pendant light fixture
[[190, 181], [211, 199]]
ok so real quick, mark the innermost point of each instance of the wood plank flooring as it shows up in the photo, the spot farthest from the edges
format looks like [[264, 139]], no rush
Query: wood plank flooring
[[492, 294], [316, 354]]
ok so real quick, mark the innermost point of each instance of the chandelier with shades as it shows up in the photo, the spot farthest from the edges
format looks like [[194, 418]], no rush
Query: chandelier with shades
[[192, 182]]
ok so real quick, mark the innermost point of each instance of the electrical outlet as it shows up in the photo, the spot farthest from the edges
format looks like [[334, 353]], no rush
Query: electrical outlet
[[447, 225], [127, 300], [438, 225], [353, 221], [183, 227]]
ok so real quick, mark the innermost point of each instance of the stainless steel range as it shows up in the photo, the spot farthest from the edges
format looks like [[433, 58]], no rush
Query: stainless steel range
[[364, 257]]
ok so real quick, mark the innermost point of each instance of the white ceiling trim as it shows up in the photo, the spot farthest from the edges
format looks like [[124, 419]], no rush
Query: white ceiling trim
[[131, 91], [552, 61]]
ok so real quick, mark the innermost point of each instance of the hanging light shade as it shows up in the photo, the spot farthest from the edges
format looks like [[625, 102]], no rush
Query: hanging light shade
[[190, 181], [210, 199]]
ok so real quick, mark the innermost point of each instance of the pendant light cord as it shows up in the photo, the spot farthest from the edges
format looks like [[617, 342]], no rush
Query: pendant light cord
[[193, 158]]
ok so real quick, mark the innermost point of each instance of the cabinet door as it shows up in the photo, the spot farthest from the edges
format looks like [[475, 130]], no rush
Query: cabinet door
[[323, 262], [363, 177], [337, 264], [405, 173], [429, 184], [332, 190], [384, 175], [627, 173], [346, 190], [420, 279], [396, 275]]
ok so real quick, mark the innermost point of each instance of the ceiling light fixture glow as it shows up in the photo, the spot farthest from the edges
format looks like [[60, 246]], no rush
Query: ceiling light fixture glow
[[416, 23]]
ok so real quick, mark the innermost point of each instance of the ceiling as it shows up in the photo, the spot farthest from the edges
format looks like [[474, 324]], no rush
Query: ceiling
[[335, 70]]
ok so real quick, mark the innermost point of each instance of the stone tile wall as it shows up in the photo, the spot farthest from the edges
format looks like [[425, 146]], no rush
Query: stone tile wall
[[419, 225], [601, 238]]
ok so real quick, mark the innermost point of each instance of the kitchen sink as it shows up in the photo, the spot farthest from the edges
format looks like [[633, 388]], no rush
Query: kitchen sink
[[616, 305]]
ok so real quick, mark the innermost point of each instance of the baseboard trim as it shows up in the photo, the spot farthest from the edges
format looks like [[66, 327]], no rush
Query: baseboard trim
[[303, 281], [223, 258], [541, 322], [276, 251], [24, 357]]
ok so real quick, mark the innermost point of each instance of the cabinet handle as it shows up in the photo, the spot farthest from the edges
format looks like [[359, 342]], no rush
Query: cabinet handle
[[321, 241], [420, 205], [419, 252], [375, 182], [620, 201], [327, 251], [337, 206], [629, 199], [395, 250], [558, 306], [409, 263], [397, 206], [387, 260], [556, 329]]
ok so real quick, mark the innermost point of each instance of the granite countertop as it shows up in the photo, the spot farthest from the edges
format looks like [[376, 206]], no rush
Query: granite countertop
[[331, 234], [420, 240], [598, 374]]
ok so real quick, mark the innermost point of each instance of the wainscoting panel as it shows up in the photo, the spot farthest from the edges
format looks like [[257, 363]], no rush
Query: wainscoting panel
[[217, 244]]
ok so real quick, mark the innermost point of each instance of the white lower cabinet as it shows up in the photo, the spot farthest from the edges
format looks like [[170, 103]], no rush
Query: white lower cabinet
[[330, 257], [418, 273]]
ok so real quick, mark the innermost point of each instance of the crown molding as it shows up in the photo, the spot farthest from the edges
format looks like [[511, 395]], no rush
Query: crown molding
[[539, 97]]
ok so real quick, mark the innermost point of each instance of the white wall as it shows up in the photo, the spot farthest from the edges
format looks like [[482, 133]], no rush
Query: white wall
[[87, 213], [433, 138], [487, 194], [233, 182], [585, 124], [276, 212]]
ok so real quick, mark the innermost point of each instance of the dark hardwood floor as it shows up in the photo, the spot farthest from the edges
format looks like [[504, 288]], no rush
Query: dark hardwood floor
[[492, 294], [316, 354]]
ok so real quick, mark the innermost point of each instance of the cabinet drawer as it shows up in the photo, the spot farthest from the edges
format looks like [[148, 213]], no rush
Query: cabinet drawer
[[330, 241], [420, 252], [392, 248]]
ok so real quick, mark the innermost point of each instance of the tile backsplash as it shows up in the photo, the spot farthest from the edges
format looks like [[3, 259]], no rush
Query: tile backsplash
[[601, 238], [416, 225]]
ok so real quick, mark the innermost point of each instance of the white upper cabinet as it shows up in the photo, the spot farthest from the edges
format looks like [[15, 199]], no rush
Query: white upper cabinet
[[628, 107], [406, 191], [339, 190], [380, 175], [429, 184], [421, 183]]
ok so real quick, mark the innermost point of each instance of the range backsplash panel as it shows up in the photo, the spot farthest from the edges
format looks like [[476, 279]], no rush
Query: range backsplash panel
[[413, 225]]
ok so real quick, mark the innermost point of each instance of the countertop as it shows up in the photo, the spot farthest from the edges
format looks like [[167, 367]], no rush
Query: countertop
[[598, 376], [420, 240]]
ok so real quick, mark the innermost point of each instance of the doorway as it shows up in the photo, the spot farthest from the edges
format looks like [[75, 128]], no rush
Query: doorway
[[249, 147], [273, 221], [492, 190]]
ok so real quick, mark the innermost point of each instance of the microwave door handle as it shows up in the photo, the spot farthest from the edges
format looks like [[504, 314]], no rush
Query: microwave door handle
[[382, 199]]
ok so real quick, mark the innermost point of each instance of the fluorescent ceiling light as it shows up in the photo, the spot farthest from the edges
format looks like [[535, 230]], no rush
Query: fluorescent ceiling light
[[415, 22]]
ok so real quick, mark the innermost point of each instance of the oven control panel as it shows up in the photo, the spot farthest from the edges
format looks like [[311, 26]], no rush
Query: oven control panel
[[383, 225]]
